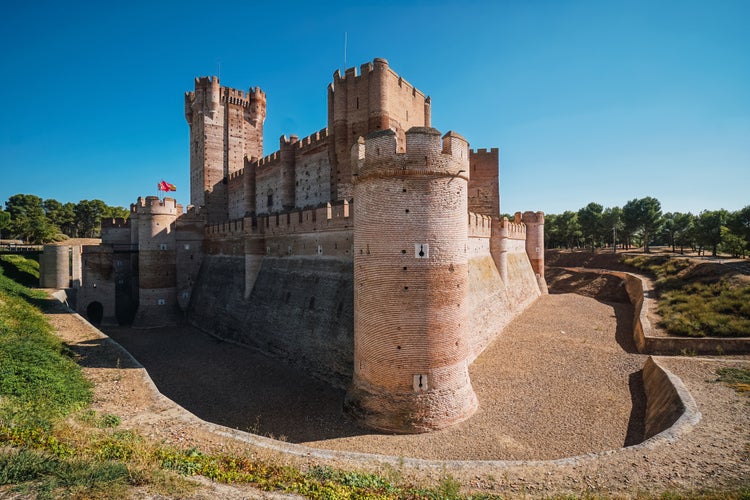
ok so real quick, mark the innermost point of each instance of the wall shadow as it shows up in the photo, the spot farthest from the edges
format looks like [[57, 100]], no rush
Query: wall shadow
[[237, 387], [637, 422], [100, 353]]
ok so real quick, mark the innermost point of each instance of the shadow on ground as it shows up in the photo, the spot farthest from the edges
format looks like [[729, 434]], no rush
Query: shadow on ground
[[266, 397]]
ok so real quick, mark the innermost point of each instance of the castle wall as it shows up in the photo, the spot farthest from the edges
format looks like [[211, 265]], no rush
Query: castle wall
[[189, 235], [313, 171], [484, 188], [98, 283], [54, 267], [236, 200], [269, 189], [116, 231], [299, 310]]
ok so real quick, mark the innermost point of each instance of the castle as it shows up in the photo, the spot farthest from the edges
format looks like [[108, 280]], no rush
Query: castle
[[371, 254]]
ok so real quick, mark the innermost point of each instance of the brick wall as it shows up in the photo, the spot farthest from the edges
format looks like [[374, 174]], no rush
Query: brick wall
[[484, 189]]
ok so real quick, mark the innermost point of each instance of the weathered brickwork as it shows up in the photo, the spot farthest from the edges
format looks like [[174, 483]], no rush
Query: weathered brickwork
[[226, 126], [369, 253], [484, 193], [410, 256], [157, 264]]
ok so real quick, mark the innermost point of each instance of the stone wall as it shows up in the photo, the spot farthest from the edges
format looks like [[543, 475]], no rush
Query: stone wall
[[299, 310]]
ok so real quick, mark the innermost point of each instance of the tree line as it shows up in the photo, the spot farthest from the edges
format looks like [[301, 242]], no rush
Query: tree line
[[29, 218], [641, 223]]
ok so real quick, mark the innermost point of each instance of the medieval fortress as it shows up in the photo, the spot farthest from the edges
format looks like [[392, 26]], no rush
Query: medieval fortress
[[370, 254]]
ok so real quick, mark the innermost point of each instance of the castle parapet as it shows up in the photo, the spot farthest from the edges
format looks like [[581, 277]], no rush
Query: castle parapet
[[480, 226], [513, 230], [154, 205], [377, 65], [313, 140], [425, 153]]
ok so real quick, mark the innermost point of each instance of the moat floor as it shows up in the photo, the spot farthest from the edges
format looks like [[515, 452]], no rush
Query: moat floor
[[563, 379]]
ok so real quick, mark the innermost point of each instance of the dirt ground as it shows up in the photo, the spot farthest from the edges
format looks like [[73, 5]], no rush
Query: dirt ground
[[551, 386]]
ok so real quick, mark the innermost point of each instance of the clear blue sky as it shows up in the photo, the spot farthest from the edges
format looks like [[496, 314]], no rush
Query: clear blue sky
[[594, 100]]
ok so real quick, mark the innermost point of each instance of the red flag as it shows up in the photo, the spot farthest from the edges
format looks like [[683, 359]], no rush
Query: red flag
[[165, 186]]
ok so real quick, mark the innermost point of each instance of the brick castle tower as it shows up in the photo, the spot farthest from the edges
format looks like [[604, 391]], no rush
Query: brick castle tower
[[410, 282], [226, 127]]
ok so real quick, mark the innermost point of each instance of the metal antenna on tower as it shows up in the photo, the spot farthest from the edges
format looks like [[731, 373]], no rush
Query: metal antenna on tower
[[345, 40], [218, 69]]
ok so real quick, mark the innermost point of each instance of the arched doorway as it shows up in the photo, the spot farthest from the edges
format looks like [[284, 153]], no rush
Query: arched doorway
[[95, 313]]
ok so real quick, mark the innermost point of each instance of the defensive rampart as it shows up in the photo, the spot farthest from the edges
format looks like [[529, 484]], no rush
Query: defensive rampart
[[299, 310]]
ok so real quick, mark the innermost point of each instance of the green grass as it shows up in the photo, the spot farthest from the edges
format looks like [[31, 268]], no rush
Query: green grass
[[20, 269], [696, 306]]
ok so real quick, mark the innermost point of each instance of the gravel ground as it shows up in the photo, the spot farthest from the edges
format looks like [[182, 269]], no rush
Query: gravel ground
[[549, 387], [553, 385]]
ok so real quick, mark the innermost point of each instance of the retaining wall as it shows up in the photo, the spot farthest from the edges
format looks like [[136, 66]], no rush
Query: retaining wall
[[648, 343]]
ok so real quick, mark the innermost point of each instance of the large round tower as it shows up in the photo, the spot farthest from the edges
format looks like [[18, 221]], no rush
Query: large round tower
[[410, 282], [157, 283]]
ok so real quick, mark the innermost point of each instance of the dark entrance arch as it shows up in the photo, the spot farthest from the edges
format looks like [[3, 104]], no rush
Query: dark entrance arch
[[95, 312]]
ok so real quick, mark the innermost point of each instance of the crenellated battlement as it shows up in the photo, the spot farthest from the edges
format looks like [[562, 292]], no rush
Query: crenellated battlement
[[325, 217], [425, 152], [154, 205], [116, 223], [233, 176], [318, 138], [480, 226], [515, 230], [268, 161], [205, 81], [484, 151], [367, 69], [244, 99]]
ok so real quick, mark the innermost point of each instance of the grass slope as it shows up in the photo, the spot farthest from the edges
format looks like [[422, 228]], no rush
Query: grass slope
[[698, 300]]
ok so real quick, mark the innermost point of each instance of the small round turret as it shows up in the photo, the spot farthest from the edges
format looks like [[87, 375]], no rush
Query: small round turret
[[157, 292]]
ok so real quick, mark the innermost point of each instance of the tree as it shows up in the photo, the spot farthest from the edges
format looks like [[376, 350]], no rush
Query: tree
[[708, 229], [62, 216], [683, 226], [731, 243], [4, 221], [570, 230], [116, 213], [88, 217], [28, 220], [739, 224], [643, 216], [612, 221], [589, 219]]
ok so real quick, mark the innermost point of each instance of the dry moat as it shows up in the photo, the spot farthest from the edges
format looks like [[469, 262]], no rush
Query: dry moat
[[563, 379]]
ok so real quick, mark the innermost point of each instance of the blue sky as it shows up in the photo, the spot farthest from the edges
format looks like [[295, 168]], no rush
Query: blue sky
[[595, 100]]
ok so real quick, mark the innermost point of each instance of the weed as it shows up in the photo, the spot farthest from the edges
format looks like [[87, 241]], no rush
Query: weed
[[737, 378]]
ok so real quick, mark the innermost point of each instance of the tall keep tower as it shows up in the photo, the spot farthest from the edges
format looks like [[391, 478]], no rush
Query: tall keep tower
[[359, 104], [410, 282], [226, 126]]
